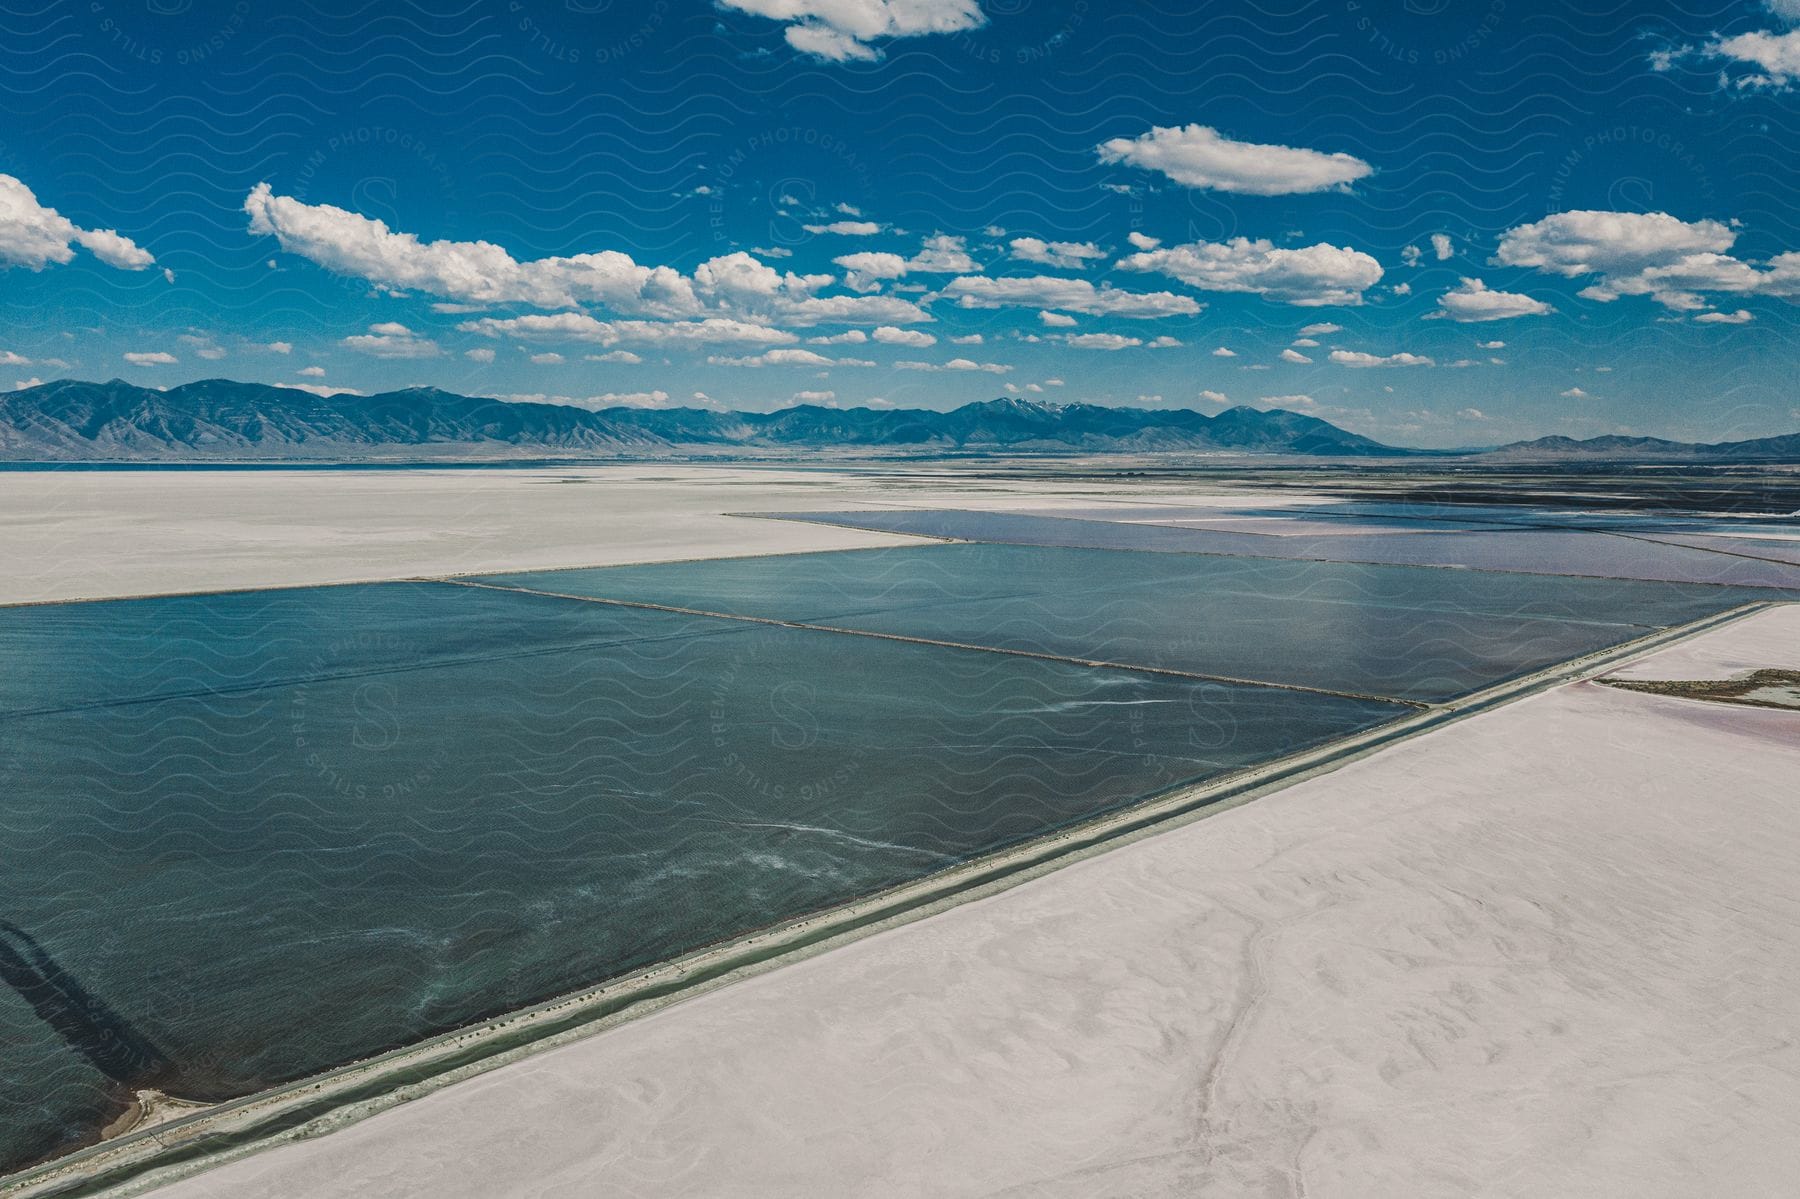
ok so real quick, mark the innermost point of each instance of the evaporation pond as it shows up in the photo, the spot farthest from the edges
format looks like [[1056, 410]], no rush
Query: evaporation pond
[[253, 836]]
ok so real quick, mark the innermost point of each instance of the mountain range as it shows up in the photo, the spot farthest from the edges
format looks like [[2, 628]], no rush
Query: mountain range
[[221, 420]]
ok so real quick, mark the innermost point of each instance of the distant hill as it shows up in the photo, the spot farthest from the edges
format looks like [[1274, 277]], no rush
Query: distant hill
[[221, 420], [1785, 448]]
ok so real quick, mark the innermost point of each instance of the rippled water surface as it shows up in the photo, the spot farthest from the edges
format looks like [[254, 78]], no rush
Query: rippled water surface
[[253, 836]]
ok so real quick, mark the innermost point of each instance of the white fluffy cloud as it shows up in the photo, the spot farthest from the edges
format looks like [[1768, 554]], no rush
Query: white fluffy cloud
[[1758, 60], [1472, 301], [1199, 156], [955, 364], [1358, 359], [1580, 243], [733, 285], [888, 335], [477, 272], [391, 339], [846, 228], [1308, 277], [1068, 255], [1647, 253], [33, 236], [579, 326], [151, 358], [1443, 247], [938, 255], [1740, 317], [1066, 295], [843, 30], [788, 357], [1101, 341]]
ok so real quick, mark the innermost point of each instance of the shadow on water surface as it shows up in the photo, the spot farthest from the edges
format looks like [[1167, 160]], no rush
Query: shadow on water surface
[[83, 1020]]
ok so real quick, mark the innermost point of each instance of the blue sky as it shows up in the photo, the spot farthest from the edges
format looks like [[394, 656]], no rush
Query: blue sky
[[1437, 222]]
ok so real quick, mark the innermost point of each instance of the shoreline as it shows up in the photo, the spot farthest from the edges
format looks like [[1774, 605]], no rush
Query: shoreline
[[151, 1156]]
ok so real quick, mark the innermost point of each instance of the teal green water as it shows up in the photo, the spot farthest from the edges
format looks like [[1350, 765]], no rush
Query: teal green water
[[254, 836], [1413, 633]]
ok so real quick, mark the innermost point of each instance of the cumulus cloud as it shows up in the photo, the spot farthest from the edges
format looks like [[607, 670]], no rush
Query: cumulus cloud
[[1443, 247], [1741, 317], [868, 270], [311, 372], [618, 357], [33, 236], [888, 335], [846, 228], [391, 339], [1224, 352], [1057, 320], [480, 354], [1294, 356], [1322, 329], [1141, 241], [938, 255], [1067, 295], [788, 357], [1473, 301], [955, 364], [1358, 359], [1647, 253], [472, 272], [1199, 156], [151, 358], [1101, 341], [732, 285], [1068, 255], [814, 397], [844, 30], [1588, 242], [1759, 60], [580, 327], [1308, 277], [1574, 393]]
